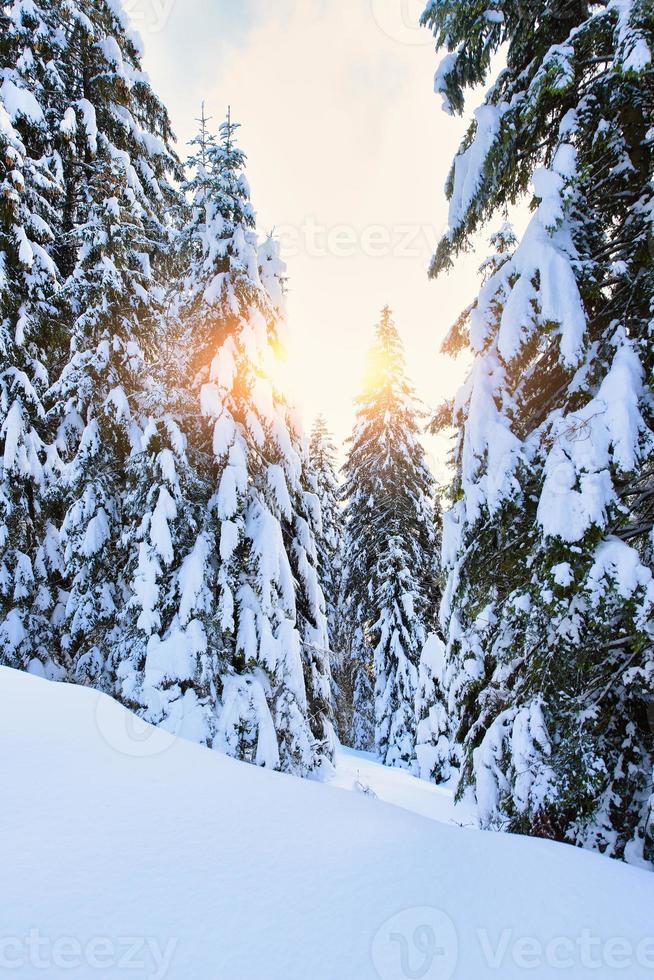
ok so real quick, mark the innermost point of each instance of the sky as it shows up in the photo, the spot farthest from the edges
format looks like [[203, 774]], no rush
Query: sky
[[348, 153]]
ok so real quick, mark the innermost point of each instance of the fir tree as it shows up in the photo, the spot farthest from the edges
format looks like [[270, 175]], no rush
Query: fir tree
[[167, 653], [117, 166], [549, 602], [433, 729], [30, 192], [433, 732], [330, 557], [303, 533], [388, 578], [275, 685], [330, 543]]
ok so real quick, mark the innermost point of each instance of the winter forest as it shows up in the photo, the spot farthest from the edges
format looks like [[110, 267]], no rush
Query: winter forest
[[178, 537]]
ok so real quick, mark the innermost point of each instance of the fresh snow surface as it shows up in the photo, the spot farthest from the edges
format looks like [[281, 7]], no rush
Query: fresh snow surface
[[360, 772], [129, 853]]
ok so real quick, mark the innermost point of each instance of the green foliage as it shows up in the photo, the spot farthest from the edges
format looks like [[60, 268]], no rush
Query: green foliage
[[550, 666]]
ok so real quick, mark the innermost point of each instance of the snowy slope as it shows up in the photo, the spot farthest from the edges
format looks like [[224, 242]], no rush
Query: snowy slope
[[359, 771], [126, 853]]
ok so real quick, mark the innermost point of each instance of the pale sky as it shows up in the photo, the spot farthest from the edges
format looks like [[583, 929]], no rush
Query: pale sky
[[348, 154]]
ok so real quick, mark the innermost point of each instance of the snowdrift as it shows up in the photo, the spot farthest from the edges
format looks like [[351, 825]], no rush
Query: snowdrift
[[128, 853]]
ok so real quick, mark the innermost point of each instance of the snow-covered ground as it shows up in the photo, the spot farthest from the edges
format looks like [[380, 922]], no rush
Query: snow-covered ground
[[126, 853], [360, 772]]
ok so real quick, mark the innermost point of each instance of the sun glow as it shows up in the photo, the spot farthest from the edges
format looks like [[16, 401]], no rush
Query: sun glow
[[279, 370], [337, 182], [377, 371]]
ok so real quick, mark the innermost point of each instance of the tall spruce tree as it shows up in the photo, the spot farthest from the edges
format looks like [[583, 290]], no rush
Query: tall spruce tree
[[550, 662], [433, 724], [275, 682], [118, 165], [388, 575], [168, 648], [329, 542], [30, 193]]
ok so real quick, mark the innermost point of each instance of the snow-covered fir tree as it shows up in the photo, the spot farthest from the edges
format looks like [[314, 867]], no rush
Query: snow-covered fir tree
[[330, 540], [330, 555], [388, 583], [433, 723], [433, 730], [548, 611], [167, 652], [303, 533], [30, 193], [118, 166], [275, 682]]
